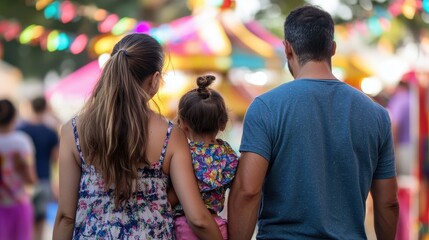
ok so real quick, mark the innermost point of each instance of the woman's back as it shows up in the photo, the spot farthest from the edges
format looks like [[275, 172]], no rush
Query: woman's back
[[147, 214]]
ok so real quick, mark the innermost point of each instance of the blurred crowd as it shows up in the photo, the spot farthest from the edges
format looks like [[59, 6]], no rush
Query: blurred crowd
[[28, 153], [407, 104]]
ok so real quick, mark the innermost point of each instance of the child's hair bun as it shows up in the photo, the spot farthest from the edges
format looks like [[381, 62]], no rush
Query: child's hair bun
[[203, 82]]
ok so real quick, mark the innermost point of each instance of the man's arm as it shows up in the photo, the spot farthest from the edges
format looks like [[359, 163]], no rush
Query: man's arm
[[54, 163], [245, 196], [386, 207]]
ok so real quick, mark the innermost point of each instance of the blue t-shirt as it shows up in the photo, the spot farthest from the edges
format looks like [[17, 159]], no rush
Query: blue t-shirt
[[45, 140], [325, 142]]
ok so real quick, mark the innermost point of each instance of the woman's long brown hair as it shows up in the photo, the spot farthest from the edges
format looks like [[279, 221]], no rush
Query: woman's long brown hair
[[113, 125]]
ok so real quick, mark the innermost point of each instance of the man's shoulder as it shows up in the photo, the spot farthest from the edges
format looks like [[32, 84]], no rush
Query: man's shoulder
[[22, 125], [276, 92], [283, 92], [37, 129], [290, 87]]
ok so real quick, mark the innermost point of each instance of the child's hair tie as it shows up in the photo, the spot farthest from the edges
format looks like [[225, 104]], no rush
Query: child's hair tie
[[124, 51]]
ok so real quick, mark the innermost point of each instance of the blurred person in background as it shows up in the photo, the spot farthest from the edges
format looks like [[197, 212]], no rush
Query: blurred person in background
[[422, 85], [16, 171], [400, 110], [312, 149], [45, 140]]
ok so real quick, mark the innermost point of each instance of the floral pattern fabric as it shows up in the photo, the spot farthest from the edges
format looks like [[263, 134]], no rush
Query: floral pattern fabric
[[214, 166], [147, 215], [12, 187]]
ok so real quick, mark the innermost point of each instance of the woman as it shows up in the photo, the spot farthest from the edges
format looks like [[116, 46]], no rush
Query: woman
[[118, 156]]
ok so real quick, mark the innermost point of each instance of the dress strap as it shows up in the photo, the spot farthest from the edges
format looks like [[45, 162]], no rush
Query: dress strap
[[167, 137], [76, 139]]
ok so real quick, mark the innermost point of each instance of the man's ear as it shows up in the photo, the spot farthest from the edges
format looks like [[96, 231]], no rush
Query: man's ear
[[288, 49], [334, 48]]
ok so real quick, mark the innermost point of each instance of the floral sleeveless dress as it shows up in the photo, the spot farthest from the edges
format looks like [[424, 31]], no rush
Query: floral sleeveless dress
[[146, 215]]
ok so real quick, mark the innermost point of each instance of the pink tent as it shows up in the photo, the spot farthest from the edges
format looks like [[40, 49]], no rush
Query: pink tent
[[77, 85]]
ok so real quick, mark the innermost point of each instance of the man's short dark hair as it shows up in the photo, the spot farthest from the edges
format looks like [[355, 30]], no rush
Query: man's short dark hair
[[38, 104], [310, 31]]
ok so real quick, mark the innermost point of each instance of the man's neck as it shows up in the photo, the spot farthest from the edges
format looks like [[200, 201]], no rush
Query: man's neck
[[315, 70], [36, 118]]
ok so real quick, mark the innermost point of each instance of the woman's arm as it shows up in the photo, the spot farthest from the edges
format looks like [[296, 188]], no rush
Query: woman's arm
[[186, 188], [69, 176], [172, 197]]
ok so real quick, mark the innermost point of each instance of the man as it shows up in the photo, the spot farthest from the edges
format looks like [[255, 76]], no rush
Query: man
[[312, 149], [45, 142]]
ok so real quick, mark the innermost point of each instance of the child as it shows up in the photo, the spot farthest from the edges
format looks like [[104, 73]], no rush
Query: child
[[202, 114]]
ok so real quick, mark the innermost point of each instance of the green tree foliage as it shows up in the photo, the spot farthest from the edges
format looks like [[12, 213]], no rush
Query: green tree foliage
[[36, 63], [275, 11]]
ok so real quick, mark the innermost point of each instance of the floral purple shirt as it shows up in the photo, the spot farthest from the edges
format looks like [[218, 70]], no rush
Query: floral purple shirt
[[214, 167]]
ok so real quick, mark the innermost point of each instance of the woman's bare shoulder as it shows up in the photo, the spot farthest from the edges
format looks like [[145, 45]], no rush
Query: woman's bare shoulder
[[67, 140], [66, 129]]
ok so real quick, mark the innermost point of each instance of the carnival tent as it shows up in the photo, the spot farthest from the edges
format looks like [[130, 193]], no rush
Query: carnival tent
[[77, 85]]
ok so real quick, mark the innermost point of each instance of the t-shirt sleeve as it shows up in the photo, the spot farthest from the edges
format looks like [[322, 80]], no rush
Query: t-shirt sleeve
[[386, 157], [256, 138], [26, 147], [54, 138]]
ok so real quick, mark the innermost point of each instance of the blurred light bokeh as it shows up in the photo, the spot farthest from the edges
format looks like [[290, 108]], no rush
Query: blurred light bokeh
[[58, 48]]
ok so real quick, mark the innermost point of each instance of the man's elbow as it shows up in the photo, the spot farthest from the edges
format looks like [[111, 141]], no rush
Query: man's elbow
[[247, 192], [393, 205]]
